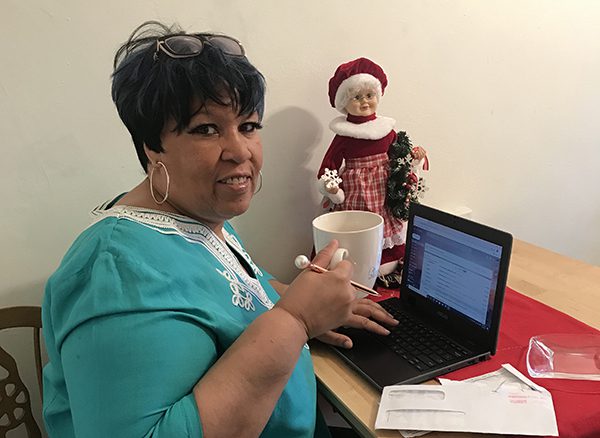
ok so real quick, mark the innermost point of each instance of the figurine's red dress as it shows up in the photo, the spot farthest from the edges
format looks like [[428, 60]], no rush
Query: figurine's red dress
[[362, 144]]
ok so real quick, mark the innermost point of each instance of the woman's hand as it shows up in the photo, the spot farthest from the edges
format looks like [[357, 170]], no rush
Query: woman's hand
[[364, 311], [321, 301]]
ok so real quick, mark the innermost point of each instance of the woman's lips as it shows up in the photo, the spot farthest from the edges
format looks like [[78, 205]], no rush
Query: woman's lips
[[236, 183], [235, 180]]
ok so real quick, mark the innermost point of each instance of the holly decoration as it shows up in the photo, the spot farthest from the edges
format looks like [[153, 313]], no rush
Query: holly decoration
[[403, 185]]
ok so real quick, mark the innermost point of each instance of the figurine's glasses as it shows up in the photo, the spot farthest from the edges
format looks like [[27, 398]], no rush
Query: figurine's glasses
[[366, 96], [187, 46]]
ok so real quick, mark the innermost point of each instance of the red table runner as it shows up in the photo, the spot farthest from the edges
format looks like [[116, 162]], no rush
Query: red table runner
[[576, 402]]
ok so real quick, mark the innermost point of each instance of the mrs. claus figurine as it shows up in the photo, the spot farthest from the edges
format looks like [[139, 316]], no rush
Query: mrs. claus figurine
[[369, 166]]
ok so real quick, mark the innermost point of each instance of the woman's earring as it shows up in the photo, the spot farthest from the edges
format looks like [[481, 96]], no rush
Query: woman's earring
[[259, 182], [152, 186]]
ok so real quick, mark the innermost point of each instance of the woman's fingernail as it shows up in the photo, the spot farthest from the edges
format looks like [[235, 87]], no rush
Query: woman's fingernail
[[347, 343]]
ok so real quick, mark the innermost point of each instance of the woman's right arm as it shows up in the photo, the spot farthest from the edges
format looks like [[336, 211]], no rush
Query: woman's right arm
[[265, 355], [126, 377]]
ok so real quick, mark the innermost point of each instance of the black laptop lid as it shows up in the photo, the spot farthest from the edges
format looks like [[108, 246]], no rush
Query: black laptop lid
[[454, 275]]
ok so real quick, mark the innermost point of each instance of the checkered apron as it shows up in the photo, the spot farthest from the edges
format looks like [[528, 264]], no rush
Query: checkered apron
[[364, 184]]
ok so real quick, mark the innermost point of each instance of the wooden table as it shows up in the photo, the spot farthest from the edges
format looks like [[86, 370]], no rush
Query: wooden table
[[568, 285]]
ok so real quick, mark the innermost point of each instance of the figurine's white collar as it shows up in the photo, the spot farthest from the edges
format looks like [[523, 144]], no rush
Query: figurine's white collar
[[371, 130]]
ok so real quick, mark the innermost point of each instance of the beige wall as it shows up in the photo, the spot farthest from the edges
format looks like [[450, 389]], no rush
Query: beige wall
[[503, 94]]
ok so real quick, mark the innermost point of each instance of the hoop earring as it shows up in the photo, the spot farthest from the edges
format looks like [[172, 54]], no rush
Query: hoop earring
[[152, 186], [259, 182]]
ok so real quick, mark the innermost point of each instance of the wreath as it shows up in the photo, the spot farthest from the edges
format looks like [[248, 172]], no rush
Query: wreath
[[403, 185]]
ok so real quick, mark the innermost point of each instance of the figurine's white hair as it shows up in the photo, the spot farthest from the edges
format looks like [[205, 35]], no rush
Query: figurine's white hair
[[349, 87]]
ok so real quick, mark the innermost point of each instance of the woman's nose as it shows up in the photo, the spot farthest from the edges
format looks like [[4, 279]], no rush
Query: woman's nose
[[236, 147]]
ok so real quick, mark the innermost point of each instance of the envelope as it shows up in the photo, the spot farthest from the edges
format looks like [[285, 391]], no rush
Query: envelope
[[468, 407]]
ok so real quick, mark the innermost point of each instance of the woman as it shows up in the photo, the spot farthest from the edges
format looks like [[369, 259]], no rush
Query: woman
[[157, 322]]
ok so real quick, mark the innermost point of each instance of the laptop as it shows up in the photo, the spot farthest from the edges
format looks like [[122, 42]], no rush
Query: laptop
[[451, 296]]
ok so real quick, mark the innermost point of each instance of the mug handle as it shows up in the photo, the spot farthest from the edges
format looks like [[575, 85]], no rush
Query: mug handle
[[339, 255]]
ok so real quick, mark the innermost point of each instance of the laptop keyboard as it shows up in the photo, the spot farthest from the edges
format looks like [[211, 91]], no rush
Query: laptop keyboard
[[416, 343]]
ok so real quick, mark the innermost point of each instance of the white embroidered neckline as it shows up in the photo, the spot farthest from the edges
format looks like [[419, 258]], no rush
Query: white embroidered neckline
[[371, 130], [196, 232]]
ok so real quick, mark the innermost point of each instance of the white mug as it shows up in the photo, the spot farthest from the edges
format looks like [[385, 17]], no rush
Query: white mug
[[360, 235]]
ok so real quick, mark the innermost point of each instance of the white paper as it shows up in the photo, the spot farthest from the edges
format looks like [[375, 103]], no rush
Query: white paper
[[504, 379], [503, 401]]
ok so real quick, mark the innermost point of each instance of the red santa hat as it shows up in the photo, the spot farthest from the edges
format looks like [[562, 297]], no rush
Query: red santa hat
[[360, 73]]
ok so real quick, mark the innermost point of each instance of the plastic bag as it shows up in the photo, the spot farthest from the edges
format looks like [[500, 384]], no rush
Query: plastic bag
[[564, 356]]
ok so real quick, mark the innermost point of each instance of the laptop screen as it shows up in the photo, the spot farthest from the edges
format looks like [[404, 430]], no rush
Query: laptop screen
[[453, 269]]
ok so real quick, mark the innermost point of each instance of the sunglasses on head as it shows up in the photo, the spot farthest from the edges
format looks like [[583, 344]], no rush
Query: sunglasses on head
[[187, 46]]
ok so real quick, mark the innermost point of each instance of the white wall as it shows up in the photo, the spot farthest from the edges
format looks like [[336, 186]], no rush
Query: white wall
[[504, 95]]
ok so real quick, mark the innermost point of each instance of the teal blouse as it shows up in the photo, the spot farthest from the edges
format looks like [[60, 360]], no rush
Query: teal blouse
[[140, 308]]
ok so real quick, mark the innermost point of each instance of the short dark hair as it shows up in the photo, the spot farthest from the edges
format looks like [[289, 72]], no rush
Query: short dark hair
[[148, 90]]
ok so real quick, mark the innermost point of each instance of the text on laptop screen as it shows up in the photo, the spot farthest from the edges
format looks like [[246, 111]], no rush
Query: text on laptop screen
[[454, 269]]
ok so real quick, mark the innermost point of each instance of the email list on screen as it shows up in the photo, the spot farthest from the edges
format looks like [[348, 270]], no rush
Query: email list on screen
[[454, 269]]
